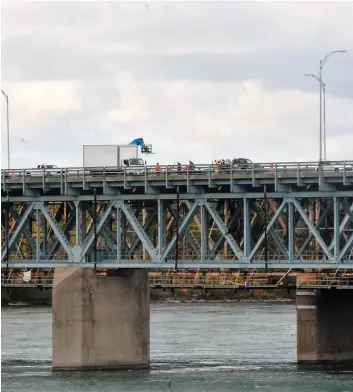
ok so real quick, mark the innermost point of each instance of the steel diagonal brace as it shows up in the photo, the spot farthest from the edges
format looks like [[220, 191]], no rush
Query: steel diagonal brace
[[224, 230], [109, 236], [18, 230], [182, 228], [348, 217], [26, 233], [87, 243], [57, 229], [57, 214], [188, 236], [346, 249], [136, 225], [66, 227], [269, 226], [276, 237], [221, 238], [145, 227], [107, 233], [211, 243], [312, 229], [310, 235]]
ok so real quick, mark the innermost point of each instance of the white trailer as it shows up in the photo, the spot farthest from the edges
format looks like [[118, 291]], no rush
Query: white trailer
[[108, 155], [111, 155]]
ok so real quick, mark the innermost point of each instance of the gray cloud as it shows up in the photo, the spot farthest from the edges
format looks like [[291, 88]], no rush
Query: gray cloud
[[199, 80]]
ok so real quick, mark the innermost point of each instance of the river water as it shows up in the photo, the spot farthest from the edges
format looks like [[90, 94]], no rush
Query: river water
[[202, 347]]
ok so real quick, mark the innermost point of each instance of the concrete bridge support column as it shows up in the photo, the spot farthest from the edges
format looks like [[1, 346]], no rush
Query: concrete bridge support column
[[324, 325], [100, 322]]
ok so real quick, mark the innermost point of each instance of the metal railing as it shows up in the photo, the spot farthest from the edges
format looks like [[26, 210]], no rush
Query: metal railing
[[326, 281], [211, 171], [222, 280], [170, 279]]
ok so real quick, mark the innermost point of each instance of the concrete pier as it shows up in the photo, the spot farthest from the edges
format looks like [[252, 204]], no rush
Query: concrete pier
[[100, 322], [324, 325]]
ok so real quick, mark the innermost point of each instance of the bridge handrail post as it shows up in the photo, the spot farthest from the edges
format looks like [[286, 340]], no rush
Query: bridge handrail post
[[253, 174], [4, 179], [166, 177], [84, 178], [231, 177], [24, 181], [43, 179], [344, 173]]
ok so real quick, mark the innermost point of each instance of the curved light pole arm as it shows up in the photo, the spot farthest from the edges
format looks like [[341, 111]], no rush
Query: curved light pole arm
[[323, 61]]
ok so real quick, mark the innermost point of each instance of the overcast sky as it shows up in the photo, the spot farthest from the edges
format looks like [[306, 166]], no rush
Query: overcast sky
[[197, 80]]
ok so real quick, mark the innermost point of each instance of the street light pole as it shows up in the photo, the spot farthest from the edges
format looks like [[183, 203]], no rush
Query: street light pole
[[322, 63], [323, 88], [8, 127]]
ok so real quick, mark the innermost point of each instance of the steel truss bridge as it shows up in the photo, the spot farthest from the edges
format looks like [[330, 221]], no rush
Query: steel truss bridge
[[265, 216]]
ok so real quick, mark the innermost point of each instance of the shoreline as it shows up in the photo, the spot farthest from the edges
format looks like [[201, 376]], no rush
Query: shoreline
[[37, 297], [171, 302]]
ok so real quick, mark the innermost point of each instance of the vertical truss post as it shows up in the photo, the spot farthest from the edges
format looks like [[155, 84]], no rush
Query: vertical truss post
[[291, 229], [123, 232], [77, 216], [144, 217], [247, 230], [45, 238], [204, 233], [7, 233], [95, 229], [37, 234], [118, 234], [225, 214], [265, 228], [177, 228], [161, 227], [336, 227], [83, 222]]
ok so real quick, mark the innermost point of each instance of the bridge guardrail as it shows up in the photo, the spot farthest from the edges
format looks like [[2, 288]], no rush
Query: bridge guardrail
[[296, 169]]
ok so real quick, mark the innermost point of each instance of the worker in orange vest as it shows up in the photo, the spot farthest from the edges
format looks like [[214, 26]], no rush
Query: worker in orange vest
[[157, 167]]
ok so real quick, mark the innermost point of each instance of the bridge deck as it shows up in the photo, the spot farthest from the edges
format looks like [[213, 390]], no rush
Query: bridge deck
[[267, 215], [30, 184]]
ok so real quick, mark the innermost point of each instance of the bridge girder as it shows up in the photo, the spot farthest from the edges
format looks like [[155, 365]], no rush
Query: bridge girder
[[300, 233]]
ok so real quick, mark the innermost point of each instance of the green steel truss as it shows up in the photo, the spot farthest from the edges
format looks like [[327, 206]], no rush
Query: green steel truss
[[275, 216]]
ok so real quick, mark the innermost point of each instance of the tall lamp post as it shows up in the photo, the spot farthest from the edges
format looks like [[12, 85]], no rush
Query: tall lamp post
[[323, 87], [322, 63], [8, 127]]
